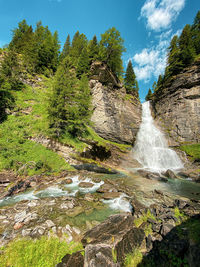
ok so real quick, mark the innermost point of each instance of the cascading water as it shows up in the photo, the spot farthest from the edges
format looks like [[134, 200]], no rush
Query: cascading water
[[151, 149]]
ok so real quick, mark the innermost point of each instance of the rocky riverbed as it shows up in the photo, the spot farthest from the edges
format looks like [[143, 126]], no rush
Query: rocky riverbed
[[108, 213]]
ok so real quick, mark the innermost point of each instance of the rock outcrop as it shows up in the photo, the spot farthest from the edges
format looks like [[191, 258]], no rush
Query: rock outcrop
[[116, 115], [177, 107]]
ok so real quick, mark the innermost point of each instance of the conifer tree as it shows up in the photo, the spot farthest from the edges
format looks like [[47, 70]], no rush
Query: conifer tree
[[111, 49], [174, 62], [93, 49], [83, 63], [187, 51], [130, 81], [149, 95], [195, 29], [69, 106], [78, 43], [66, 48]]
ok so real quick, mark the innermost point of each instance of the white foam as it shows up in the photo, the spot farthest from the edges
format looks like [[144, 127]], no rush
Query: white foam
[[151, 149], [119, 203]]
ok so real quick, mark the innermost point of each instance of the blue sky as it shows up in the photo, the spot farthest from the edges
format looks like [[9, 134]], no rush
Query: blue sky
[[146, 25]]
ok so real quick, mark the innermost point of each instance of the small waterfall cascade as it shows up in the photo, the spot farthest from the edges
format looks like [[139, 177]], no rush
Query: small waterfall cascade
[[151, 149]]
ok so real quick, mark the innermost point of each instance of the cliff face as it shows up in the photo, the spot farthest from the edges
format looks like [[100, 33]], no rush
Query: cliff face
[[116, 115], [177, 107]]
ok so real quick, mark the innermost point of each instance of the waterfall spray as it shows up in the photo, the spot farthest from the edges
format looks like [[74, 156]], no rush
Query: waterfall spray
[[151, 149]]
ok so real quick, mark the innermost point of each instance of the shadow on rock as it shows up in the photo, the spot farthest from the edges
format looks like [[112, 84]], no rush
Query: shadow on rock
[[179, 247]]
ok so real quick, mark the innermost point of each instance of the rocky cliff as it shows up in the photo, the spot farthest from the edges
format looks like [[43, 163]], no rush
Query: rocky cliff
[[116, 115], [177, 107]]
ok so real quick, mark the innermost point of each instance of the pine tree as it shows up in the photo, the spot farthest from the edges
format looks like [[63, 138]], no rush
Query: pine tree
[[47, 50], [174, 62], [111, 49], [195, 30], [187, 51], [69, 106], [83, 63], [66, 48], [130, 81], [78, 43], [149, 95], [93, 49]]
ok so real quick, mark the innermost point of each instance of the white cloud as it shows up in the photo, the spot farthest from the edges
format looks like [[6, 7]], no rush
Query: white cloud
[[161, 13], [151, 62]]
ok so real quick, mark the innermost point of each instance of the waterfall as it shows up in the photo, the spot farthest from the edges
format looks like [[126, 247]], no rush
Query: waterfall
[[151, 149]]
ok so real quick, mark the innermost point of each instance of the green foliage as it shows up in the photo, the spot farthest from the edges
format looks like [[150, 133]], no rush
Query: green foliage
[[111, 49], [179, 215], [93, 49], [36, 253], [66, 48], [196, 33], [149, 95], [192, 150], [144, 218], [19, 154], [83, 63], [39, 49], [69, 105], [174, 62], [133, 259], [9, 80], [186, 45], [130, 81], [78, 43]]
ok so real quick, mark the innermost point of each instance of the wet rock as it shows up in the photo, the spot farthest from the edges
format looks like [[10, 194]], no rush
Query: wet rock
[[86, 185], [105, 188], [111, 195], [159, 192], [171, 174], [94, 168], [99, 255], [75, 211], [89, 197], [68, 181]]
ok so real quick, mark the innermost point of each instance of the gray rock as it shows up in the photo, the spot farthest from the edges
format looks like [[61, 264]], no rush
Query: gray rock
[[49, 223], [177, 107], [99, 255], [115, 117]]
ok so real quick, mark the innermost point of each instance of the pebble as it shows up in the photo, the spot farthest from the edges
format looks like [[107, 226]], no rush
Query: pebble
[[18, 225], [49, 223]]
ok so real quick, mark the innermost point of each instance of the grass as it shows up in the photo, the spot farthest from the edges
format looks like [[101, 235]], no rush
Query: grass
[[36, 253], [92, 135], [16, 150], [133, 259], [137, 222], [179, 215], [192, 150]]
